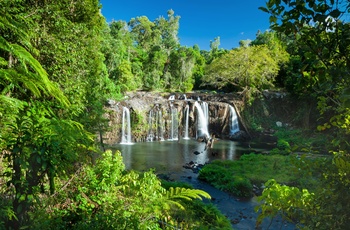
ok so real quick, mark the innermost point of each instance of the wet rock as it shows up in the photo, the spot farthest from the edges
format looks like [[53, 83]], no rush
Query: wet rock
[[239, 136], [193, 166]]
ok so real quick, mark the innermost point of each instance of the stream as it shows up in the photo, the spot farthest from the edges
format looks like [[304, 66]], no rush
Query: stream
[[169, 157]]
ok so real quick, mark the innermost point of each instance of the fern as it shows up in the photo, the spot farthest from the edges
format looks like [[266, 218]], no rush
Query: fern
[[27, 70], [179, 193]]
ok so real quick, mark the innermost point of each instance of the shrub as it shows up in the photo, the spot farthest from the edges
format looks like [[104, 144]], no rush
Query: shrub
[[283, 145], [241, 186]]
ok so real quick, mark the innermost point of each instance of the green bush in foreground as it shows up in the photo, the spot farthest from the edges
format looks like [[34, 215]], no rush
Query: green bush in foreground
[[198, 215], [105, 196]]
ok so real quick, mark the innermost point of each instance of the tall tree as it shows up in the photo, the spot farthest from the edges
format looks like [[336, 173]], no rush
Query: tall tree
[[42, 42], [248, 69], [319, 30], [182, 63]]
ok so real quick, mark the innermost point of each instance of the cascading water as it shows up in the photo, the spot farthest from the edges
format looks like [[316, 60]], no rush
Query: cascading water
[[126, 128], [150, 135], [173, 123], [234, 126], [187, 112], [160, 126], [205, 109], [155, 125], [202, 122]]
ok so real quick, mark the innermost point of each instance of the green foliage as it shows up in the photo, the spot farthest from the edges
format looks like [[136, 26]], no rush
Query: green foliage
[[302, 140], [40, 136], [275, 45], [181, 68], [104, 196], [317, 36], [288, 202], [223, 178], [19, 69], [198, 215], [284, 147], [125, 78], [241, 186], [249, 69], [237, 176], [39, 152]]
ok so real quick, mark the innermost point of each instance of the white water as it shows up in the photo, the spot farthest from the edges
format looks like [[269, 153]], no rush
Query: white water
[[150, 135], [155, 125], [126, 129], [187, 111], [160, 126], [173, 124], [202, 122], [205, 110], [234, 126]]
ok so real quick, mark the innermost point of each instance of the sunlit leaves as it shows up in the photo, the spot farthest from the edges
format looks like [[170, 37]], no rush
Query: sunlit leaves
[[289, 202], [245, 68]]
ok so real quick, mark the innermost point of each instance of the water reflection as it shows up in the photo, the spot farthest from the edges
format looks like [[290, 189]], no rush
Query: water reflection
[[171, 156]]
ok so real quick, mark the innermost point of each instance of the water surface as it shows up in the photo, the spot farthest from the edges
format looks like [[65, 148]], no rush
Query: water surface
[[169, 157]]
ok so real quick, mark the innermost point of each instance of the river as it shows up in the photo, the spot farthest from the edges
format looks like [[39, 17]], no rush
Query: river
[[169, 158]]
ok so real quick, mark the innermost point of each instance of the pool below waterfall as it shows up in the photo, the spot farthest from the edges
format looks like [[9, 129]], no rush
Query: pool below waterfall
[[170, 157]]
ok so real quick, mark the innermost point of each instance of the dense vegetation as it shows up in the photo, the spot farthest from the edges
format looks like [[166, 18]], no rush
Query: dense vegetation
[[316, 37], [60, 61]]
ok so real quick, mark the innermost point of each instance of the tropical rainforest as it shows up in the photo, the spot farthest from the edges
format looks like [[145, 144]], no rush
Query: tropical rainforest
[[59, 63]]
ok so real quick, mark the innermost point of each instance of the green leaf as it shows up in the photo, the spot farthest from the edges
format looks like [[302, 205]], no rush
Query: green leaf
[[263, 9], [335, 13]]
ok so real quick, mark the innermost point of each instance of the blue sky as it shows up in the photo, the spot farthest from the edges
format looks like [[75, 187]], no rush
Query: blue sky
[[201, 20]]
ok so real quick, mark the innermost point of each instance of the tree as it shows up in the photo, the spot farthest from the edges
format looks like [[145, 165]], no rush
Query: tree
[[169, 31], [182, 63], [19, 69], [198, 71], [324, 40], [145, 32], [105, 196], [248, 69], [43, 42], [274, 44]]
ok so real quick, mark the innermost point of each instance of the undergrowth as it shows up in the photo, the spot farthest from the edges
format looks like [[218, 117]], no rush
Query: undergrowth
[[198, 215], [238, 176]]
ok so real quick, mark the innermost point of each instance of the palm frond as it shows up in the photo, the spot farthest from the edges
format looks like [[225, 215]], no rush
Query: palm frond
[[9, 102], [173, 196], [27, 70], [186, 193]]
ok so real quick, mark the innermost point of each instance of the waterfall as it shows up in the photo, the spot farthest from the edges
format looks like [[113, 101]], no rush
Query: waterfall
[[126, 129], [173, 123], [234, 127], [160, 126], [202, 122], [187, 111], [155, 125], [205, 109], [150, 135]]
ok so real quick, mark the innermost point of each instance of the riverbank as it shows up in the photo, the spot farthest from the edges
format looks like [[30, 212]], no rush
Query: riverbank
[[240, 212]]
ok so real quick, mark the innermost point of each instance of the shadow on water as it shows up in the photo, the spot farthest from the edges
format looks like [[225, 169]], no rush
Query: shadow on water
[[169, 158]]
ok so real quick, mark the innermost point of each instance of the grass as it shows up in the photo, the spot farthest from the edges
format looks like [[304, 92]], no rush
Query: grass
[[238, 176]]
